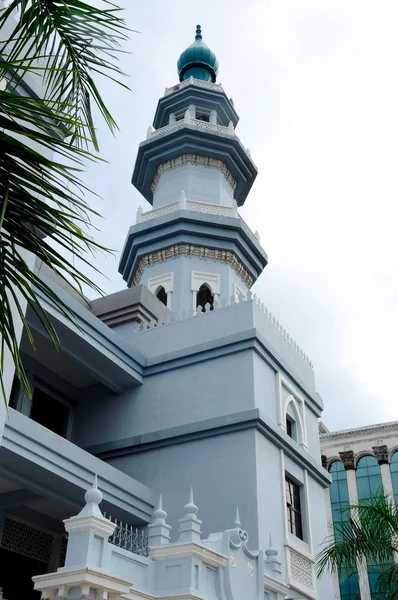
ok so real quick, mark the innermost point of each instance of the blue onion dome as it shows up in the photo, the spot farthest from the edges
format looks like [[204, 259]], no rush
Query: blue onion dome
[[198, 61]]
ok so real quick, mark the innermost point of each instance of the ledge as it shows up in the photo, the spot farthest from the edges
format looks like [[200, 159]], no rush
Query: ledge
[[169, 551]]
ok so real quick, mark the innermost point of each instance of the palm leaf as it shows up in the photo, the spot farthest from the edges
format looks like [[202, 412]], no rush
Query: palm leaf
[[44, 146]]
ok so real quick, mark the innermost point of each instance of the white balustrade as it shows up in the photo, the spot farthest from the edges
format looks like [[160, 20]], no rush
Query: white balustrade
[[215, 87], [193, 122], [184, 204]]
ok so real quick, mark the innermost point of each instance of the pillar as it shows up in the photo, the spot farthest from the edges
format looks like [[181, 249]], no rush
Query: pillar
[[349, 464], [213, 117], [381, 453], [329, 517], [172, 118]]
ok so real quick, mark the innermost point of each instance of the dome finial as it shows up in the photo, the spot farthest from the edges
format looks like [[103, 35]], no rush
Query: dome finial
[[198, 35]]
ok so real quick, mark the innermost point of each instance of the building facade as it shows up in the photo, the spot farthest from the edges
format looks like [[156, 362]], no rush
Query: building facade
[[184, 379], [361, 462]]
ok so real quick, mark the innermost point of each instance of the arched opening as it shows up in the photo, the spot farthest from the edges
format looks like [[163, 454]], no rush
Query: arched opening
[[161, 295], [291, 422], [369, 482], [204, 296]]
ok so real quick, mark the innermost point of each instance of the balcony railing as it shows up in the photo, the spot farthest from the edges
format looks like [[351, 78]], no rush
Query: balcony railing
[[184, 204]]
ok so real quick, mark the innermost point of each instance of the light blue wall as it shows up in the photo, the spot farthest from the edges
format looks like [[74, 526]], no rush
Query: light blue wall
[[200, 183], [170, 399], [222, 471]]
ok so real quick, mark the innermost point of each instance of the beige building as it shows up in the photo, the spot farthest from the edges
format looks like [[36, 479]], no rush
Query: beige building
[[360, 462]]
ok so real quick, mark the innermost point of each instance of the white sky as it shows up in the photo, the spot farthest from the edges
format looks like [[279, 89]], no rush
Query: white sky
[[315, 83]]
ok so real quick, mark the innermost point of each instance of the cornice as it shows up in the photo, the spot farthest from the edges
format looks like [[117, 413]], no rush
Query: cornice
[[275, 586], [359, 431]]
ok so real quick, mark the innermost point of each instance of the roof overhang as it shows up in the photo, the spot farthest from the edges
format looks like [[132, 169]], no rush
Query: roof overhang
[[91, 344], [36, 458], [199, 96], [197, 229], [188, 139]]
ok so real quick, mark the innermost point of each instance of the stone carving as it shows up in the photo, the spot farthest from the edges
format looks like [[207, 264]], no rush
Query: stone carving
[[27, 541], [348, 459], [195, 159], [381, 453], [324, 460], [301, 569]]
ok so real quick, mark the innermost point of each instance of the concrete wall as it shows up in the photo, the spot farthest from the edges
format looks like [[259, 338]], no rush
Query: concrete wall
[[171, 399], [221, 469], [200, 183]]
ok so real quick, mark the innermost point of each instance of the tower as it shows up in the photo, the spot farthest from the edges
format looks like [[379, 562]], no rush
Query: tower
[[193, 247]]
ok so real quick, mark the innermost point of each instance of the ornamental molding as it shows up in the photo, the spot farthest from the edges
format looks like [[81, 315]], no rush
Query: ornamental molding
[[194, 159], [362, 431], [188, 250], [59, 584], [90, 523], [273, 585], [381, 453], [348, 459], [206, 555]]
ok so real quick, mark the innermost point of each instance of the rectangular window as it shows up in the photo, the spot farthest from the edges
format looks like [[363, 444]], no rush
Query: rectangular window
[[289, 428], [293, 508]]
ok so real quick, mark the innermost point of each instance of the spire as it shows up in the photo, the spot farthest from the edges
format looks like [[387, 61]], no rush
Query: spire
[[189, 529], [198, 35], [272, 561], [159, 531]]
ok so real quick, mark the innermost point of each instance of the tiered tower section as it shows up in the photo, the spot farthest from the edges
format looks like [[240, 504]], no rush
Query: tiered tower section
[[193, 247]]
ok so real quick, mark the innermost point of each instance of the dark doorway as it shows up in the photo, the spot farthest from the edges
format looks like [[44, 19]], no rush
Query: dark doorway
[[16, 572]]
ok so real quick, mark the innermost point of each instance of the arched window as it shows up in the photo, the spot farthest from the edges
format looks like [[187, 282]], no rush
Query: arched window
[[348, 580], [161, 295], [204, 296], [394, 475], [291, 422], [369, 482]]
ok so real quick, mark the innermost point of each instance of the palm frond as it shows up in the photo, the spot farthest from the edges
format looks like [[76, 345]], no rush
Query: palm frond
[[44, 146]]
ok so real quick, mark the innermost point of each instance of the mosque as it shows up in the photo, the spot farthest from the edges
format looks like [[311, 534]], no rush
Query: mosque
[[171, 450]]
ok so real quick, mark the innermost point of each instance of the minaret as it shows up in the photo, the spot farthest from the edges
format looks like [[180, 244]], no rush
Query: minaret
[[193, 248]]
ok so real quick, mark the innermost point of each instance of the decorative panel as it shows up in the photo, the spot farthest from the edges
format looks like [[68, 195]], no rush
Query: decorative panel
[[24, 539]]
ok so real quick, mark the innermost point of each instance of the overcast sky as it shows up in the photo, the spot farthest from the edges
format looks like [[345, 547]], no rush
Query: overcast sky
[[315, 84]]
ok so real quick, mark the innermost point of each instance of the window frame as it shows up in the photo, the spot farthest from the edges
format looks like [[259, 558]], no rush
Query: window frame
[[294, 510]]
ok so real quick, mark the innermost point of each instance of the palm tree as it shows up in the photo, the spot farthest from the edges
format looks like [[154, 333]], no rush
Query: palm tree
[[367, 533], [45, 142]]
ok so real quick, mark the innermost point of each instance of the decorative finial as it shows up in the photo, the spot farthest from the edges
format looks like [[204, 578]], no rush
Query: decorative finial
[[93, 498], [159, 513], [237, 518], [198, 35], [191, 508], [271, 551]]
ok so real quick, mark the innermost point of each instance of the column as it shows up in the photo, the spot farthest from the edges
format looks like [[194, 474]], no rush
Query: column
[[349, 464], [381, 453], [213, 117], [329, 517]]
